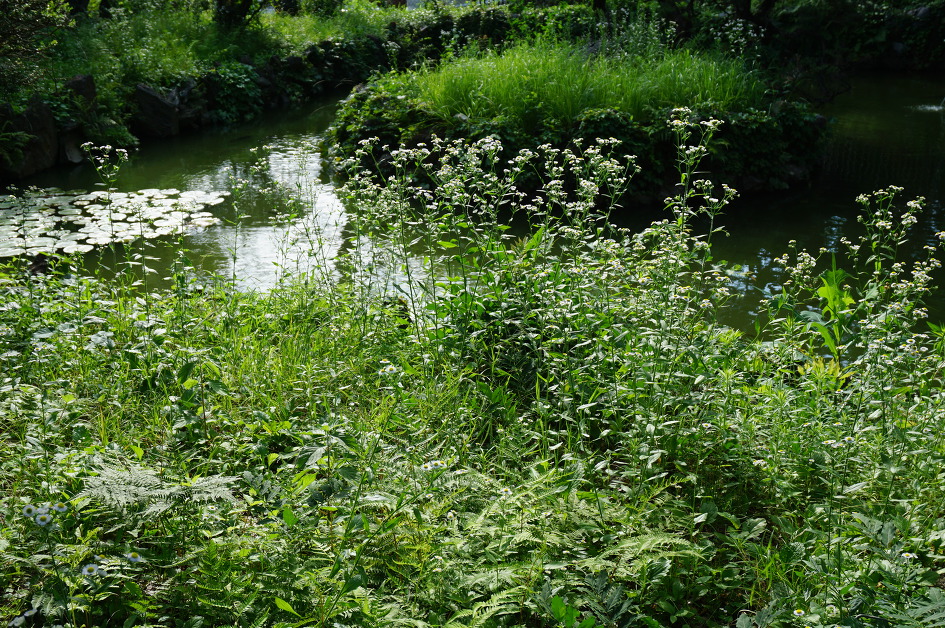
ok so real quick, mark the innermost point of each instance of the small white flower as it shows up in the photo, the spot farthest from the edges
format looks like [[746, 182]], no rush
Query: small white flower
[[91, 570], [30, 510], [134, 557], [43, 519], [505, 491], [60, 507], [798, 612]]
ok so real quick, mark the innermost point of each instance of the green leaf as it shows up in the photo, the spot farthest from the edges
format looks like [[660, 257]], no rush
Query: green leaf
[[184, 373], [289, 517], [557, 607], [286, 606]]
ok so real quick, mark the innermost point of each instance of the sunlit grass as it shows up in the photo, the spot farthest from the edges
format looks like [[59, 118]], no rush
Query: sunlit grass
[[560, 81]]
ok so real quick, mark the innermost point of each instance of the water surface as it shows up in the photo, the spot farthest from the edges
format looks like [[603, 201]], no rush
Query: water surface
[[887, 130]]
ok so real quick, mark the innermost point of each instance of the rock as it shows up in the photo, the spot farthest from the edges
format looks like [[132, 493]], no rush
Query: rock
[[70, 145], [191, 105], [295, 64], [261, 81], [158, 114], [921, 13], [83, 86], [41, 147]]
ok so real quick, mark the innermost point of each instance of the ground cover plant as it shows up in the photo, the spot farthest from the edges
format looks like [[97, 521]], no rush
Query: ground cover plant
[[544, 430]]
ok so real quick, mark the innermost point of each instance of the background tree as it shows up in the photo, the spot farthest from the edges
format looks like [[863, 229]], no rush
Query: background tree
[[27, 30], [235, 13]]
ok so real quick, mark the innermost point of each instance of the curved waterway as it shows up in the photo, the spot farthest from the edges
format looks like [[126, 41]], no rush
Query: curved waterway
[[250, 167], [888, 130]]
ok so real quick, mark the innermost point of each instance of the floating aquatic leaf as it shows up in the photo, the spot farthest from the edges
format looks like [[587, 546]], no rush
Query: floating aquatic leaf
[[40, 242], [11, 250], [77, 248]]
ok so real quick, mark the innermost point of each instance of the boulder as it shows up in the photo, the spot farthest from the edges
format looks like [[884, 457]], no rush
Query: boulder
[[83, 87], [71, 139], [40, 148], [158, 114]]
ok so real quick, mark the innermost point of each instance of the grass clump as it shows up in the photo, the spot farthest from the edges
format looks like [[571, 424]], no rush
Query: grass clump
[[543, 429], [532, 83]]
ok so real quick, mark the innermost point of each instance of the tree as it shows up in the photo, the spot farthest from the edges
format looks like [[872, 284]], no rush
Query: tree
[[27, 30], [235, 13]]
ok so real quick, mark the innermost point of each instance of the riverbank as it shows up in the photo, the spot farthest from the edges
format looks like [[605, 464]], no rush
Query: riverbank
[[112, 81]]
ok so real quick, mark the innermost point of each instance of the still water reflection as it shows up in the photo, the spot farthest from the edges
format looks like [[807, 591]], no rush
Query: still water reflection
[[888, 131]]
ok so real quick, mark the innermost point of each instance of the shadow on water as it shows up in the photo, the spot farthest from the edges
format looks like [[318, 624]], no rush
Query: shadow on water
[[887, 130]]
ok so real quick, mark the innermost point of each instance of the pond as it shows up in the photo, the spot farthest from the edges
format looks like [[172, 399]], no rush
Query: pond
[[242, 171], [889, 131]]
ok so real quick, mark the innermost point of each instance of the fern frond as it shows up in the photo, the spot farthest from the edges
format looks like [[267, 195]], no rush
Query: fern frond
[[123, 487], [502, 603]]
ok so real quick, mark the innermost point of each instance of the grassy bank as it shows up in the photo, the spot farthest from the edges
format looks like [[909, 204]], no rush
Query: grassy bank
[[559, 93], [528, 432], [553, 84]]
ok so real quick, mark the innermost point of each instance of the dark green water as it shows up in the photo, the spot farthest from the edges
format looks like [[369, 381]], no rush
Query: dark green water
[[888, 131]]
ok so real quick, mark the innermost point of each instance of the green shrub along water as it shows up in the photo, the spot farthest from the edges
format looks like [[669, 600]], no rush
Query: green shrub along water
[[544, 430]]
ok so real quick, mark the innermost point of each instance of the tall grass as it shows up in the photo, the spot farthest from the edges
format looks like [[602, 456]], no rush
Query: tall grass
[[356, 19], [560, 81]]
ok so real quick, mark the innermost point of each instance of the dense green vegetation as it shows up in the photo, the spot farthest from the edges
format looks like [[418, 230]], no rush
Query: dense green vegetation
[[229, 60], [564, 81], [549, 430], [556, 93], [536, 432]]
